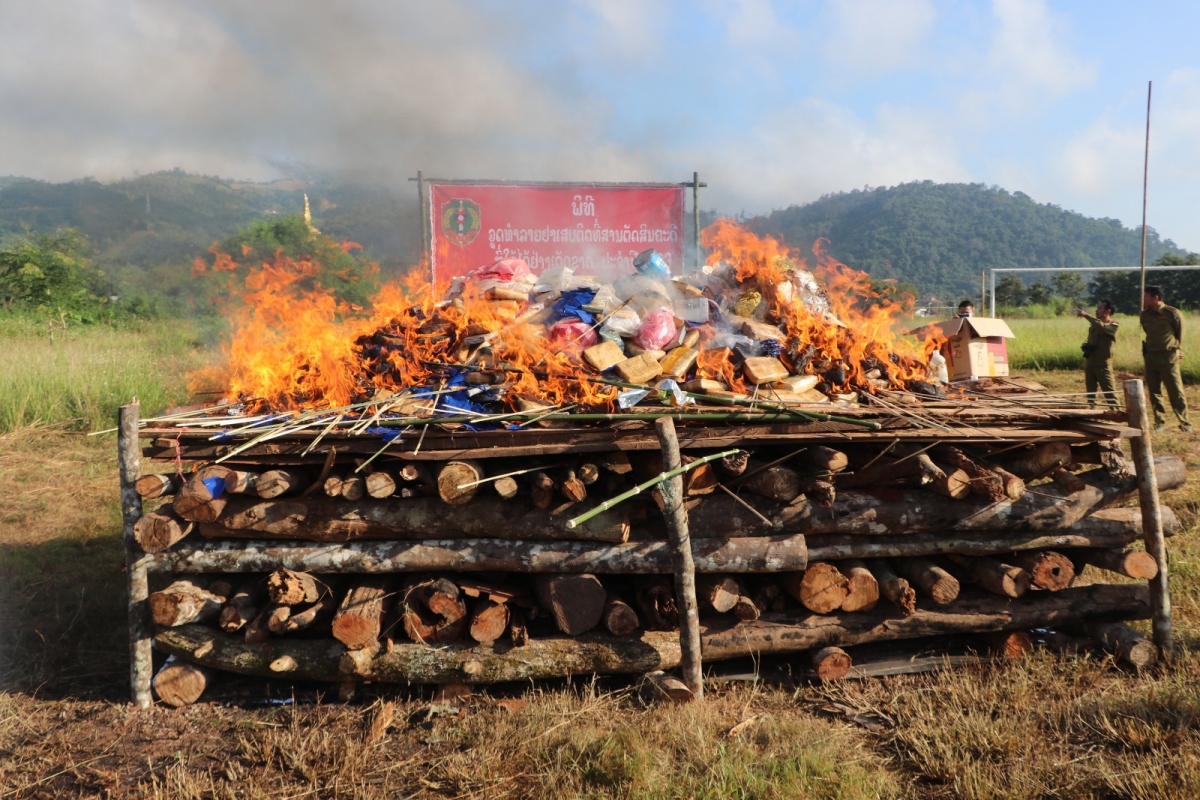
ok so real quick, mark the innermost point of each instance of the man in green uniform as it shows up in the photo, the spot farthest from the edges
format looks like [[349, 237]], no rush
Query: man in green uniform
[[1162, 350], [1097, 352]]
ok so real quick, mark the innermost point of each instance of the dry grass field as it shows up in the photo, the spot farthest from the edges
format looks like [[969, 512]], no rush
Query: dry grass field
[[1050, 725]]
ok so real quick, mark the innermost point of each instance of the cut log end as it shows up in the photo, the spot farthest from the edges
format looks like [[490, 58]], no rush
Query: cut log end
[[831, 663]]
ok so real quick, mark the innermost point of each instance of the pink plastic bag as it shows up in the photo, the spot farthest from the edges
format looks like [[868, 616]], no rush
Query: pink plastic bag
[[657, 331], [506, 269], [573, 331]]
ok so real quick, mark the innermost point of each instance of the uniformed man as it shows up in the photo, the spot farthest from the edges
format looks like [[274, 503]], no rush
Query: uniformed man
[[1162, 350], [1098, 352]]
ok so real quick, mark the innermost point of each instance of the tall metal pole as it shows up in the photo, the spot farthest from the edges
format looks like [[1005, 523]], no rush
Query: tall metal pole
[[1145, 190], [696, 218], [423, 205], [983, 290], [993, 273]]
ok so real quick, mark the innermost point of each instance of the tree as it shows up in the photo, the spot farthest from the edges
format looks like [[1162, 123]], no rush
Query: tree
[[51, 275], [1040, 293], [1070, 286], [1010, 291]]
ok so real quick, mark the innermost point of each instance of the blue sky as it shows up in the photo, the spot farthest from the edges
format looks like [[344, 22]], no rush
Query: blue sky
[[774, 103]]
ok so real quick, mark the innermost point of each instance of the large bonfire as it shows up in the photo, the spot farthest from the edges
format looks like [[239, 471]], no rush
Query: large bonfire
[[508, 339]]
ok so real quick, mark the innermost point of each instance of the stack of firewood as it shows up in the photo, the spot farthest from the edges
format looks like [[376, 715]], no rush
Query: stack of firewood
[[490, 570]]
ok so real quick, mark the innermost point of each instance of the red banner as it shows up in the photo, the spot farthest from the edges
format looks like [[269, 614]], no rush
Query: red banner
[[593, 229]]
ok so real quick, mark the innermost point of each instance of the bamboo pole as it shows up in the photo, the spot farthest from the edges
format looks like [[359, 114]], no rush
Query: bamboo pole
[[681, 552], [1152, 524], [141, 667]]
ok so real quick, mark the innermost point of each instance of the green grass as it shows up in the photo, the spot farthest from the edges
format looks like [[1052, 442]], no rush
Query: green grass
[[77, 376], [1050, 344]]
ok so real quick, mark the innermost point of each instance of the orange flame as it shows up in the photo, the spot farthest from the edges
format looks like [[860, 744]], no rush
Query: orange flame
[[293, 344]]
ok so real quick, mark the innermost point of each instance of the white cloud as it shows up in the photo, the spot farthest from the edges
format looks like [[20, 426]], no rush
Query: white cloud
[[1027, 47], [873, 36], [815, 147]]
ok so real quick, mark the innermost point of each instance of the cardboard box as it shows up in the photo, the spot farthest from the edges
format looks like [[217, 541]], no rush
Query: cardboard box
[[975, 347]]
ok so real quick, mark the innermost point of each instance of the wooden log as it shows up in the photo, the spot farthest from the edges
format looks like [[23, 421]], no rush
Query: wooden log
[[238, 482], [746, 610], [333, 486], [380, 485], [1128, 562], [183, 602], [457, 481], [518, 632], [358, 620], [619, 618], [158, 530], [1050, 570], [831, 663], [824, 459], [325, 520], [157, 485], [588, 473], [180, 683], [775, 482], [918, 470], [1010, 644], [616, 462], [820, 493], [542, 487], [289, 587], [658, 686], [994, 575], [735, 464], [572, 488], [699, 481], [203, 497], [1067, 481], [603, 653], [895, 589], [861, 586], [304, 619], [243, 605], [1050, 509], [989, 482], [656, 601], [576, 602], [1125, 643], [278, 482], [742, 555], [941, 586], [489, 621], [953, 483], [506, 488], [1151, 478], [415, 473], [258, 629], [1037, 460], [821, 588], [433, 612], [354, 487], [277, 618], [718, 592]]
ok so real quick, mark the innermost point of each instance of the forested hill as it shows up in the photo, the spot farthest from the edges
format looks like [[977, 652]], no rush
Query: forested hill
[[145, 231], [938, 236]]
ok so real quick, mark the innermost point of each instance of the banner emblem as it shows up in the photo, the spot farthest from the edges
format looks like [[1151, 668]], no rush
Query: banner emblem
[[461, 220]]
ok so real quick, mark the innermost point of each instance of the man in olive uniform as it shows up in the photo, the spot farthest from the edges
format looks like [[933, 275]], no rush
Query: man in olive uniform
[[1097, 352], [1162, 350]]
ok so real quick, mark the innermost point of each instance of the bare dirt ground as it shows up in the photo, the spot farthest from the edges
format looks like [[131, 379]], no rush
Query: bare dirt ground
[[1047, 725]]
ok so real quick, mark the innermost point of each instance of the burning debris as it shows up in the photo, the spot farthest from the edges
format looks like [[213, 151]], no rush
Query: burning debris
[[755, 326]]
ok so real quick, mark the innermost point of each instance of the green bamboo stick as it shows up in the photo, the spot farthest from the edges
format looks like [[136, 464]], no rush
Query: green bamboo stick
[[641, 487]]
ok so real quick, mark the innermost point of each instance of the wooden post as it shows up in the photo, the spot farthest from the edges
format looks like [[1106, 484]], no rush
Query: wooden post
[[1152, 528], [685, 570], [129, 460]]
